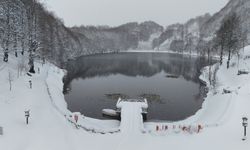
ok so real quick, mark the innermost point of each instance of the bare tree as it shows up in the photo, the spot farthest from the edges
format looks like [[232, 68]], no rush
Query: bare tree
[[15, 45], [214, 77], [233, 23], [7, 32], [221, 41], [228, 35], [21, 66], [22, 34], [242, 43], [10, 79], [33, 44], [188, 45]]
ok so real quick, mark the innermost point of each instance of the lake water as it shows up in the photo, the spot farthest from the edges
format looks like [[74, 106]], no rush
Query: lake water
[[169, 81]]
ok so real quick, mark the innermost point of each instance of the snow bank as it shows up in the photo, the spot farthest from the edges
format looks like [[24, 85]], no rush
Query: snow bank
[[55, 87], [48, 129], [218, 106]]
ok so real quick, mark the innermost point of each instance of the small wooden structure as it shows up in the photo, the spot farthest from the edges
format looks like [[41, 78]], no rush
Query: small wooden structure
[[140, 100]]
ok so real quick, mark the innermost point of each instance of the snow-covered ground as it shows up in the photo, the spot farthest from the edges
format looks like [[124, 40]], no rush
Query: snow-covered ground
[[52, 128]]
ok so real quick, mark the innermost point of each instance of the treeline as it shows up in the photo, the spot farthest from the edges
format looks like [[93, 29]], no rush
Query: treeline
[[227, 40], [26, 27], [126, 36], [181, 37], [230, 37]]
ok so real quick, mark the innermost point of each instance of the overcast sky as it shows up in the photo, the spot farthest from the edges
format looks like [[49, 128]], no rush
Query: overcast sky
[[116, 12]]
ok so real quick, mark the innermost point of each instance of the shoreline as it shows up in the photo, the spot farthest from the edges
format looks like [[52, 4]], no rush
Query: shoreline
[[217, 57], [167, 51], [162, 121], [220, 116], [202, 115]]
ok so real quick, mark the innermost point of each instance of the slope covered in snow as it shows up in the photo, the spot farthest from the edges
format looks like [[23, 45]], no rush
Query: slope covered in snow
[[52, 128], [241, 7], [147, 45], [123, 37], [186, 37], [181, 37]]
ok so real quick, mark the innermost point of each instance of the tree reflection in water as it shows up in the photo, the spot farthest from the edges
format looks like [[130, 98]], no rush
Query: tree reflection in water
[[144, 67]]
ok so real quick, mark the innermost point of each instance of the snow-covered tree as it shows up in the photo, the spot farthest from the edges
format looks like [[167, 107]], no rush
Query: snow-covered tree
[[6, 37], [229, 37], [33, 44], [10, 78]]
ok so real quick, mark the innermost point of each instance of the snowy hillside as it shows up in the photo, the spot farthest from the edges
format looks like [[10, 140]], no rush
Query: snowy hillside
[[127, 36], [59, 43], [147, 45], [241, 7], [185, 37], [52, 127], [56, 42], [180, 37]]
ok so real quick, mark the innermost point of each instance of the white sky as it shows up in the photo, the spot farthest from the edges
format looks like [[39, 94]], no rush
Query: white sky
[[117, 12]]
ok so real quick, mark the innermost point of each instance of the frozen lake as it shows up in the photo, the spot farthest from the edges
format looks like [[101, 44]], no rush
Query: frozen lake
[[169, 82]]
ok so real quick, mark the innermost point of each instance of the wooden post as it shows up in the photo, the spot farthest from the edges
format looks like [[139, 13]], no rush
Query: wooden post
[[30, 82], [27, 115], [1, 130]]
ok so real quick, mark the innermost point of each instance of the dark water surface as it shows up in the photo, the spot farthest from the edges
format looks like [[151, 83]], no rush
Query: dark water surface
[[169, 81]]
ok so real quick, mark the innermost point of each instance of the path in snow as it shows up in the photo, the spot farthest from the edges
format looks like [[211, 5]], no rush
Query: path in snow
[[131, 125], [131, 118], [49, 130]]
